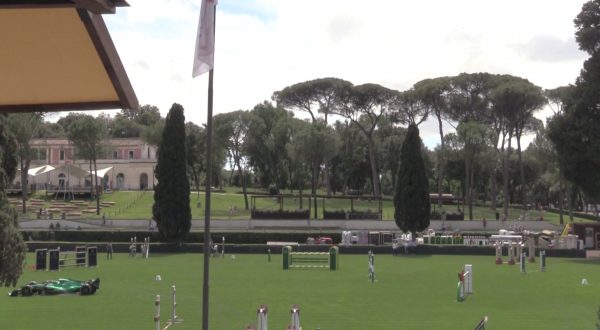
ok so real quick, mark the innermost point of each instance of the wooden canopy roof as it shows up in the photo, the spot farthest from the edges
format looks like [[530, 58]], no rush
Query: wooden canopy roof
[[57, 55]]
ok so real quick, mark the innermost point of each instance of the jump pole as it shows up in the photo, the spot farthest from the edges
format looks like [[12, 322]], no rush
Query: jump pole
[[262, 314], [157, 314], [173, 320], [371, 266], [465, 283], [295, 311]]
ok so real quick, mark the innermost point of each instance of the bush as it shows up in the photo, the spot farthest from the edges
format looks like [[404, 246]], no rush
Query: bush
[[363, 215], [334, 215], [273, 190], [101, 237]]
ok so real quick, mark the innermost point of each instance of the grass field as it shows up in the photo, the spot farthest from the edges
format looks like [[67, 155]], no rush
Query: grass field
[[138, 205], [414, 292]]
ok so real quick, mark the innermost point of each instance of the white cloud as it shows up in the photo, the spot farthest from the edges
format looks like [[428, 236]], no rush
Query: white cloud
[[275, 43]]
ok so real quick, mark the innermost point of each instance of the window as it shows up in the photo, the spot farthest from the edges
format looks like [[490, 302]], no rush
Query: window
[[115, 155], [130, 154], [62, 155], [143, 181], [39, 154]]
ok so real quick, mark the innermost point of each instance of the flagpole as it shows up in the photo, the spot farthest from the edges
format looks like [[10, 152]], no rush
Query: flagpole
[[207, 240], [207, 246]]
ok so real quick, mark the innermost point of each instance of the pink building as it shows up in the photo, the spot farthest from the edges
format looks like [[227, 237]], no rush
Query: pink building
[[128, 164]]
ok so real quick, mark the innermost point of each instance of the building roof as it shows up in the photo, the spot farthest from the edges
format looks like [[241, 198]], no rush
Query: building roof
[[57, 55]]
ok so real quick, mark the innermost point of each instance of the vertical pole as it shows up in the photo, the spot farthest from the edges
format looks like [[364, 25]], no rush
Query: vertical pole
[[174, 318], [147, 247], [295, 317], [209, 114], [262, 312], [157, 315], [542, 260], [371, 266], [469, 279]]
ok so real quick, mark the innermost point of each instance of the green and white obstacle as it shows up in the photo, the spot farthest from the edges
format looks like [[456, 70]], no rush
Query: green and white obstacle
[[310, 259], [465, 283]]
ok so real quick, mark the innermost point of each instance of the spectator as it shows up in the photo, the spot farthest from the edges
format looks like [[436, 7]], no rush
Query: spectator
[[109, 251], [395, 248]]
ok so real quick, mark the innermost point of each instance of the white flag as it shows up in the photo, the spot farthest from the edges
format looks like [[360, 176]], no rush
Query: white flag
[[204, 56]]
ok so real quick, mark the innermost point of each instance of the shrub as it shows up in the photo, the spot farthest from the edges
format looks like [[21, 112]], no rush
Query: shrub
[[273, 190]]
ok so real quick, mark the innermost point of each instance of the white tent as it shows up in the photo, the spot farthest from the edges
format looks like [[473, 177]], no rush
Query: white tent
[[73, 170], [38, 170], [102, 172], [43, 169]]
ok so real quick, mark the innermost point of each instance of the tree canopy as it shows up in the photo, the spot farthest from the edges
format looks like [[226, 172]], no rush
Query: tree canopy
[[574, 132]]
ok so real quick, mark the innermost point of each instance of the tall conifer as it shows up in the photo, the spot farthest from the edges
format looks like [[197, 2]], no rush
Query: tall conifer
[[171, 209], [411, 202]]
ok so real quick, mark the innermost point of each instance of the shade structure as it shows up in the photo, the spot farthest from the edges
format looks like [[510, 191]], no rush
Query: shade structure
[[73, 170], [57, 55], [37, 170], [102, 172]]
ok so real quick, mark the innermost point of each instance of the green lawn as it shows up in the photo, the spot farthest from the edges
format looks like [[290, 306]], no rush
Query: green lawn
[[415, 292], [138, 205]]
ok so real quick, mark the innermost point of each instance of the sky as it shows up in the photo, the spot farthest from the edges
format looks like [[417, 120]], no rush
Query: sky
[[263, 46]]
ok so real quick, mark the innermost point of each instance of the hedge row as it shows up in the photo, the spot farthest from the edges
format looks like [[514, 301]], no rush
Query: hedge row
[[353, 215], [195, 237], [454, 216], [284, 214]]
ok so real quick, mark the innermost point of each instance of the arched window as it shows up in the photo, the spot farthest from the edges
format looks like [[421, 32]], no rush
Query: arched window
[[120, 181], [143, 181], [105, 182]]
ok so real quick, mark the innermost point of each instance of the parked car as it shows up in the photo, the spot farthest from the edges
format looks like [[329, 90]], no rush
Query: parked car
[[59, 286]]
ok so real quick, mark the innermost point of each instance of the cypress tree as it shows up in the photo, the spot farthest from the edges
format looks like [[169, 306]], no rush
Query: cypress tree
[[171, 209], [12, 247], [411, 201]]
